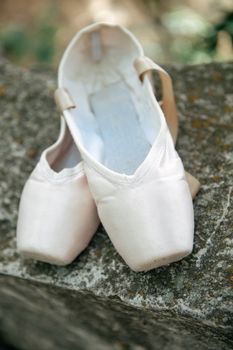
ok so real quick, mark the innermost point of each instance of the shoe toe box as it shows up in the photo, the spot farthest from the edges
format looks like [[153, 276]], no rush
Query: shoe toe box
[[56, 220], [150, 225]]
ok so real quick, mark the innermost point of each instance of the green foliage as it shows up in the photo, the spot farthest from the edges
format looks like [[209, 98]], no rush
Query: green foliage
[[192, 38], [44, 47], [36, 43], [226, 25], [195, 40], [14, 42]]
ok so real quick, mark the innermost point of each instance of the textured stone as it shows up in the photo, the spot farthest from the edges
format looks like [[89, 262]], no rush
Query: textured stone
[[97, 299]]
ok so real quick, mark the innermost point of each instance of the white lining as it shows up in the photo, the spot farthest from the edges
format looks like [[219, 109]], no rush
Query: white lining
[[64, 153], [115, 120], [116, 123]]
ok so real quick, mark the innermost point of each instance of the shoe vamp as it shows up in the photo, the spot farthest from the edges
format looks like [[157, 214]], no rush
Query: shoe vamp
[[158, 213]]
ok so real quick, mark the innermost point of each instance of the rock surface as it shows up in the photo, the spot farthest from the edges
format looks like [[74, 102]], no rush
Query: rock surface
[[97, 302]]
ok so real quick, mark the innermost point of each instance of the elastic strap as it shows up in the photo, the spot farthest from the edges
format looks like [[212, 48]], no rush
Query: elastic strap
[[144, 65], [63, 100]]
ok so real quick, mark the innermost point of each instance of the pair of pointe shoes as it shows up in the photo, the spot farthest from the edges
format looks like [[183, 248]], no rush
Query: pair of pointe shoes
[[114, 160]]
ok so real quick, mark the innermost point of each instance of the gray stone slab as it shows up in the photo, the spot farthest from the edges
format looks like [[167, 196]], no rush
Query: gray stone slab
[[97, 302]]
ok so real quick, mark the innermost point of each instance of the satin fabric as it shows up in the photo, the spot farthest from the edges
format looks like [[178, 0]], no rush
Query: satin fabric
[[148, 215], [57, 215]]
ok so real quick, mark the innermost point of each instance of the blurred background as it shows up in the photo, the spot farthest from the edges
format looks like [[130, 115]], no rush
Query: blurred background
[[36, 32], [193, 31]]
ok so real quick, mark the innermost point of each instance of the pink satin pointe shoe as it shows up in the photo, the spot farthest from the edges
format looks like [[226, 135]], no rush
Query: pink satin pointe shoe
[[57, 215], [136, 177]]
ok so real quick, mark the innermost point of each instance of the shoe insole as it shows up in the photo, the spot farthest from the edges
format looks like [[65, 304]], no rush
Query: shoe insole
[[68, 159], [125, 143]]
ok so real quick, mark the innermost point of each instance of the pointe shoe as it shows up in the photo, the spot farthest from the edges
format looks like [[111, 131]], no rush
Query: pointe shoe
[[126, 140], [57, 215]]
